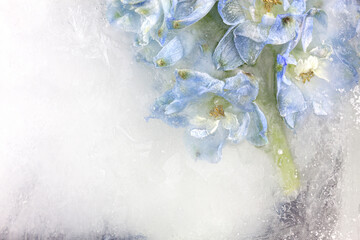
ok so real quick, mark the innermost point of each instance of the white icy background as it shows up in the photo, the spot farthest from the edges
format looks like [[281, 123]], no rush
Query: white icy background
[[77, 158]]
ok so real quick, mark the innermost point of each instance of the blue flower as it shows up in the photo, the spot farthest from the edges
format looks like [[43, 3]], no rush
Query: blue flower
[[159, 21], [213, 111], [255, 24], [144, 17], [185, 13], [311, 81]]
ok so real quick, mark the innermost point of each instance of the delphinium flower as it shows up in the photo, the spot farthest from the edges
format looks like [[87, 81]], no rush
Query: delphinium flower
[[157, 24], [312, 80], [254, 24], [312, 67], [213, 111]]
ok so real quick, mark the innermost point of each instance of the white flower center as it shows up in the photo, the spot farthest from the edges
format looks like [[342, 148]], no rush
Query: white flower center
[[305, 69]]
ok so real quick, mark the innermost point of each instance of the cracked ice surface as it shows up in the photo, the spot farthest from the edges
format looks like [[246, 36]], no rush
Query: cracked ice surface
[[78, 161]]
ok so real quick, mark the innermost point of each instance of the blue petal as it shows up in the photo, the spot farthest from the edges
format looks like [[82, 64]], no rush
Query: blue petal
[[298, 6], [170, 54], [257, 127], [290, 119], [147, 53], [241, 91], [283, 30], [163, 30], [307, 33], [184, 13], [118, 14], [226, 56], [191, 84], [151, 13], [232, 11], [298, 34], [239, 133], [250, 40], [208, 148], [290, 100], [321, 17], [159, 111], [286, 5]]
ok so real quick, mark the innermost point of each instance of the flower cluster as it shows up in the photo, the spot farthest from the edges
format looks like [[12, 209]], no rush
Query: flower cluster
[[311, 63], [158, 25], [213, 111]]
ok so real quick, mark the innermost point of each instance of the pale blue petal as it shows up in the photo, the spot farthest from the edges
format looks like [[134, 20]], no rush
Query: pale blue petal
[[268, 20], [290, 100], [208, 148], [248, 49], [239, 133], [232, 11], [290, 119], [159, 111], [286, 5], [254, 31], [119, 15], [250, 40], [321, 17], [191, 84], [184, 13], [307, 33], [175, 106], [282, 63], [298, 6], [170, 54], [298, 34], [257, 127], [163, 30], [148, 52], [283, 30], [226, 56], [241, 91], [151, 13], [291, 60]]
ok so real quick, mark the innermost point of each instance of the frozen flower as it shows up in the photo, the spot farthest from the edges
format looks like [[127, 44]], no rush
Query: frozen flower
[[255, 24], [160, 21], [213, 111], [146, 18], [311, 81], [152, 19]]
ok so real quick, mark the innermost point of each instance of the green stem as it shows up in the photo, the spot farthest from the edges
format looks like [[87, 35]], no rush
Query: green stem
[[282, 156], [278, 143]]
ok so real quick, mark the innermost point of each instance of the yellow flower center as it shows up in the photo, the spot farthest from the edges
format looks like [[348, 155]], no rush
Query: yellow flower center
[[307, 76], [217, 111], [270, 3], [306, 69]]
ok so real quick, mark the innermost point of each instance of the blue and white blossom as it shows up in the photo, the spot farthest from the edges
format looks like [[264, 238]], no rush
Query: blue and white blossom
[[254, 24], [213, 111], [159, 21], [311, 81], [313, 65]]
